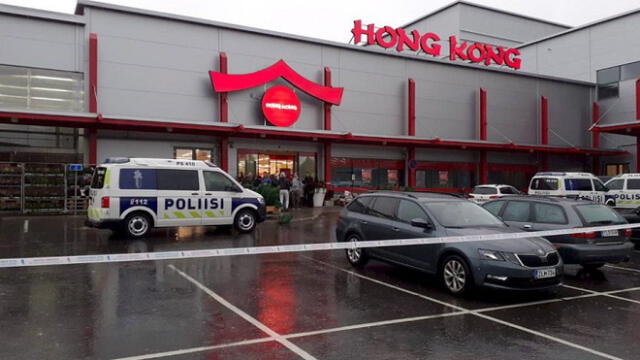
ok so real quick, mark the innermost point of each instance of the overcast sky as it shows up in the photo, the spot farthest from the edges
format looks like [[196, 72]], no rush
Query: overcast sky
[[333, 19]]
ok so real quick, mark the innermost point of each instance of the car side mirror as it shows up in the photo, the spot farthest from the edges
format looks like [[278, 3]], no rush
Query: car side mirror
[[421, 223]]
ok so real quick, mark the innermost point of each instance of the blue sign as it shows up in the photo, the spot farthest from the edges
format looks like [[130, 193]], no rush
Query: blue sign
[[412, 164], [76, 167]]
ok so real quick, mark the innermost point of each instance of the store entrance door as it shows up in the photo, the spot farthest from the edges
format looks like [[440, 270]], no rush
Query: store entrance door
[[253, 163]]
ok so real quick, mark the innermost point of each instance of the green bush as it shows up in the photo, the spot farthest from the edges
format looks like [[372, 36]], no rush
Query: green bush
[[270, 193]]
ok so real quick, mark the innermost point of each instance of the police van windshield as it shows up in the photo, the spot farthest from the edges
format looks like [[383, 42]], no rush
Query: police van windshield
[[544, 184], [97, 182]]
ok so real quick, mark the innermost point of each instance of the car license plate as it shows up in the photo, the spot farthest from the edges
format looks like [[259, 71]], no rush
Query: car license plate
[[610, 233], [544, 273]]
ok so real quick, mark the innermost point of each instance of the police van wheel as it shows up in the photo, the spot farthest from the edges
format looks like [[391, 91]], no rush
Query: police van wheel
[[245, 221], [137, 225]]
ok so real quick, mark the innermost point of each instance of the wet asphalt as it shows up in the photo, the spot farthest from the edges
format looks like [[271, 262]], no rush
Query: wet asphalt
[[286, 306]]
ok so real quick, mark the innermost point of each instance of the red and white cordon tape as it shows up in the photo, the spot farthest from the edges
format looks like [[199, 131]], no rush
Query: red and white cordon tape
[[275, 249]]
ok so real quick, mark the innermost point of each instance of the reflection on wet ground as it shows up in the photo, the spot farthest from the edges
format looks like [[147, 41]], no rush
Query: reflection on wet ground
[[287, 306]]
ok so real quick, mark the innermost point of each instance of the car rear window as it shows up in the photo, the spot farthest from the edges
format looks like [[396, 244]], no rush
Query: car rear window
[[508, 190], [594, 214], [549, 214], [544, 184], [97, 181], [484, 190], [578, 184]]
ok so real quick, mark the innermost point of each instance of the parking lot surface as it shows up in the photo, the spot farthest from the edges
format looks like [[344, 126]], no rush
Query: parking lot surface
[[309, 305]]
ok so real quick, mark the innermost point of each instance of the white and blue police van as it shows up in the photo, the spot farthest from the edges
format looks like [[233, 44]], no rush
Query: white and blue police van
[[568, 184], [134, 195], [624, 191]]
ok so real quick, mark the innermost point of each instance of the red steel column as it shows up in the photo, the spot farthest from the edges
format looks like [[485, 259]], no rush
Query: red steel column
[[93, 96], [638, 99], [411, 157], [484, 164], [544, 130], [224, 105], [595, 137], [327, 164], [411, 127], [224, 153], [327, 106]]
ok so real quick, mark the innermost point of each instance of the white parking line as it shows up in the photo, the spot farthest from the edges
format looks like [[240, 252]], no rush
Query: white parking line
[[196, 349], [481, 315], [608, 293], [622, 268], [277, 337]]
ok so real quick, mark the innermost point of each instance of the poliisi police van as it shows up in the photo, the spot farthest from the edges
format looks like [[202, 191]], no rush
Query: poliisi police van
[[134, 195], [624, 191], [570, 184]]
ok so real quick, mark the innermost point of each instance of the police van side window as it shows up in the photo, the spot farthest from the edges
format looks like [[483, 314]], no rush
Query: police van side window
[[615, 184], [137, 179], [215, 181], [544, 184], [169, 179], [598, 185], [633, 184], [578, 184]]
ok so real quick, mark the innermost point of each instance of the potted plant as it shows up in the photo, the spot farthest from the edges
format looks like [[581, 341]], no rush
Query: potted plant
[[319, 192], [271, 197]]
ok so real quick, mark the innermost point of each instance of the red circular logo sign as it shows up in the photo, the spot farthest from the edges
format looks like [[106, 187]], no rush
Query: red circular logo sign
[[281, 106]]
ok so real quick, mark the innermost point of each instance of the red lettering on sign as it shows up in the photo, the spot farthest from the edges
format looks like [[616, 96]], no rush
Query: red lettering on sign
[[511, 59], [392, 37], [388, 37], [454, 49], [357, 32], [492, 56], [433, 48], [413, 44]]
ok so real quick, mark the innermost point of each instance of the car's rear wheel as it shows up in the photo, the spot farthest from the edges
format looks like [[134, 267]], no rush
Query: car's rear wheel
[[245, 221], [456, 276], [137, 225], [356, 256]]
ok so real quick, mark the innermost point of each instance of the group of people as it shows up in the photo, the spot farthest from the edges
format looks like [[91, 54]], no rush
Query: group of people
[[293, 191]]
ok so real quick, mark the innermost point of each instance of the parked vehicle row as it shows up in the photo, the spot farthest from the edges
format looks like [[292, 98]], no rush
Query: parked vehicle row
[[520, 264]]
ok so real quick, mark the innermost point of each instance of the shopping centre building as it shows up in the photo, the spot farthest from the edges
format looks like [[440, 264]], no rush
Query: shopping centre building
[[464, 95]]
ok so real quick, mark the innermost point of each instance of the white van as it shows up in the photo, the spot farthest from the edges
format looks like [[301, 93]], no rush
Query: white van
[[580, 185], [624, 191], [134, 195]]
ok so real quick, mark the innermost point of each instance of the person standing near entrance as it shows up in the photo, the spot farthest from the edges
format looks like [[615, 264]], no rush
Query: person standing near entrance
[[296, 191], [284, 186]]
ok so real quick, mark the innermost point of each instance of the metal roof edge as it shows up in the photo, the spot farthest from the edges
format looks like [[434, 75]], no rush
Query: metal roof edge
[[580, 27], [42, 14], [125, 9], [485, 7]]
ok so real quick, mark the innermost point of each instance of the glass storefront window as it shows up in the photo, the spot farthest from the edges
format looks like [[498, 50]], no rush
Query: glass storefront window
[[193, 154], [444, 179], [307, 166], [41, 89], [252, 163], [369, 173]]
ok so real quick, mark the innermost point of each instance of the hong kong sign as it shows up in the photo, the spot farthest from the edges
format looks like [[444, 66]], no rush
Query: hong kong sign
[[430, 43], [280, 104]]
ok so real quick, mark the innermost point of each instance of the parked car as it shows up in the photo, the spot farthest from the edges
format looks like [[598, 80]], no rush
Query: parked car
[[568, 184], [483, 193], [591, 250], [508, 264], [624, 191]]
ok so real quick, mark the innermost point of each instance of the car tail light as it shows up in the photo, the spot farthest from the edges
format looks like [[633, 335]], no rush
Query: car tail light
[[627, 232], [584, 235], [494, 197], [105, 202], [469, 196]]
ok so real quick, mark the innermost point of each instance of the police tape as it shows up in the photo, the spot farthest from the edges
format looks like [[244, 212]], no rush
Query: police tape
[[276, 249]]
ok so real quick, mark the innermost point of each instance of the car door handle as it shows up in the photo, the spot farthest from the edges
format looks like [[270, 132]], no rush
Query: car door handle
[[207, 194], [195, 193], [395, 229], [527, 227], [363, 222]]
